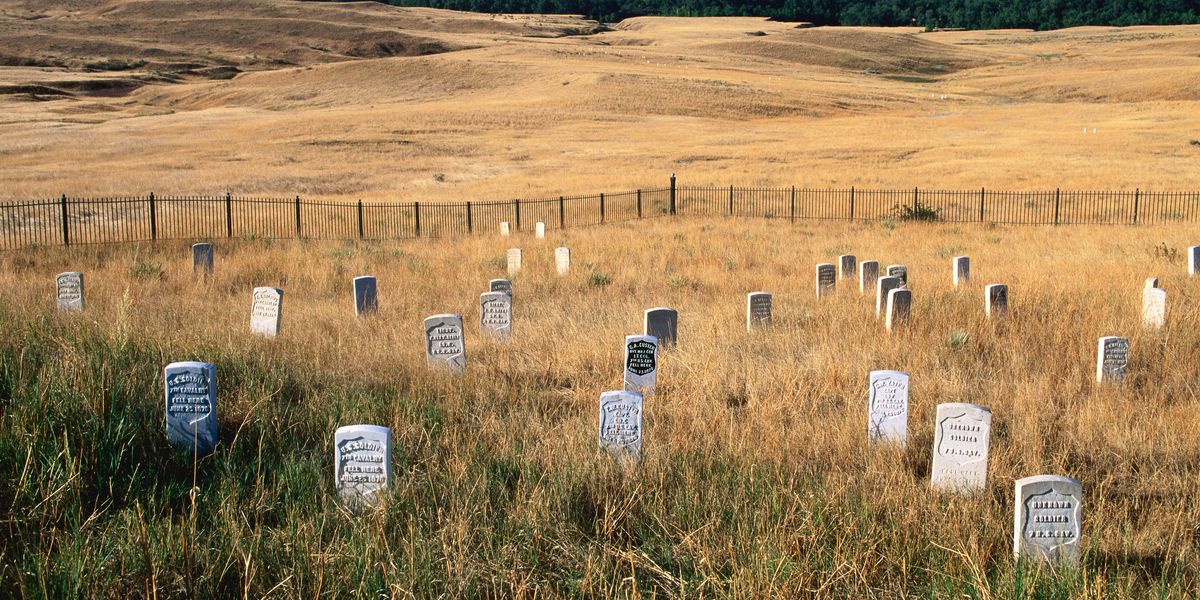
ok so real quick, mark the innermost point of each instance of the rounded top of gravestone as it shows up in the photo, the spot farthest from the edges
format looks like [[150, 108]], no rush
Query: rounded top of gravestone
[[267, 288], [1109, 338], [202, 245], [888, 373], [963, 406], [629, 339], [189, 364], [1024, 481], [492, 296], [759, 294], [69, 274], [363, 428], [443, 317], [360, 277], [819, 265], [620, 395], [657, 309]]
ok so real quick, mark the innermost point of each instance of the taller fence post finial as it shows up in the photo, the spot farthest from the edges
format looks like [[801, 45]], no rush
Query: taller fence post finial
[[228, 215], [361, 229], [1137, 196], [517, 210], [66, 228], [153, 219], [982, 195], [672, 193], [417, 219], [297, 217], [1057, 192]]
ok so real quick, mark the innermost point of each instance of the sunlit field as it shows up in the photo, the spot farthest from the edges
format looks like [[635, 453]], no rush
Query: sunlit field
[[757, 478]]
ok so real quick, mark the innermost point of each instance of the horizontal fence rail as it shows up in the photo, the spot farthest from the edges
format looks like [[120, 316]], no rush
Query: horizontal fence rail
[[69, 221]]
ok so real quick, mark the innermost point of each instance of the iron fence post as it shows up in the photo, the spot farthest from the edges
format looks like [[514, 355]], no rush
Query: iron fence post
[[417, 219], [731, 200], [1056, 205], [297, 217], [562, 213], [601, 207], [470, 226], [639, 203], [153, 219], [851, 203], [982, 195], [65, 223], [1137, 196], [360, 220], [792, 210], [229, 215], [517, 209], [672, 193]]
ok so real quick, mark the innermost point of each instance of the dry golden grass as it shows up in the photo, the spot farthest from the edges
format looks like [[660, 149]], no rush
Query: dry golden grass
[[491, 107], [757, 480]]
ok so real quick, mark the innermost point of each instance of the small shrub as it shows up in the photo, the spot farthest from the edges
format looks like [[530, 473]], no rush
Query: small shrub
[[1194, 142], [916, 212], [680, 282], [496, 262], [145, 270], [888, 224], [950, 251], [1164, 252], [598, 279], [958, 339], [730, 264]]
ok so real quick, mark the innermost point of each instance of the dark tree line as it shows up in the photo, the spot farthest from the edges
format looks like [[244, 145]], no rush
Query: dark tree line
[[971, 14]]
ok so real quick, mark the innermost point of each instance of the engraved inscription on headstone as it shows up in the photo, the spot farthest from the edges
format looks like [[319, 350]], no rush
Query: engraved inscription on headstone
[[641, 363], [1193, 258], [995, 300], [847, 267], [621, 423], [514, 261], [202, 258], [362, 464], [1112, 359], [501, 285], [826, 279], [445, 346], [899, 272], [662, 323], [562, 260], [758, 310], [962, 270], [495, 315], [899, 307], [884, 286], [266, 311], [887, 407], [68, 288], [1046, 519], [539, 230], [960, 446], [191, 413], [504, 230], [365, 300], [1154, 307], [868, 272]]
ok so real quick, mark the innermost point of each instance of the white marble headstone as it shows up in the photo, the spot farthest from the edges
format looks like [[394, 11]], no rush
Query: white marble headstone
[[868, 272], [1112, 359], [621, 423], [504, 229], [826, 278], [539, 230], [1047, 513], [662, 323], [1151, 282], [1154, 307], [514, 261], [758, 310], [495, 315], [562, 260], [501, 285], [961, 266], [847, 266], [960, 446], [362, 464], [899, 307], [887, 407], [884, 286], [68, 288], [191, 405], [202, 257], [641, 363], [266, 311], [445, 345], [995, 300], [365, 299], [1193, 258], [899, 272]]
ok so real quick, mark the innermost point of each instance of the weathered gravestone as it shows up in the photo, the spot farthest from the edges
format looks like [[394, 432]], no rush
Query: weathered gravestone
[[562, 260], [504, 230], [495, 315], [995, 300], [539, 230], [266, 311], [191, 393], [1151, 282], [202, 258], [868, 272], [621, 423], [1112, 359], [501, 285], [899, 272], [68, 288], [445, 346], [1193, 258], [960, 447], [961, 266], [662, 323], [847, 266], [1046, 519], [758, 310], [514, 261], [365, 299], [362, 464], [826, 279], [884, 286], [887, 407], [641, 363], [899, 307], [1154, 307]]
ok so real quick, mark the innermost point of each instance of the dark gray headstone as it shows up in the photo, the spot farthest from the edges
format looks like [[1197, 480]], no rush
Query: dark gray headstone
[[191, 395], [365, 299], [1112, 359], [758, 310], [662, 323], [995, 300], [961, 266], [898, 308], [826, 279], [868, 273], [501, 285], [202, 258]]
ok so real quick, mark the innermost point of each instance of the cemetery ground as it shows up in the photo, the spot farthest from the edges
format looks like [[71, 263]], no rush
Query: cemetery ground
[[757, 479]]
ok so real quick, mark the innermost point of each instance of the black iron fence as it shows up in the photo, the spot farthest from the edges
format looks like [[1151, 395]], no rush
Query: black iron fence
[[69, 221]]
